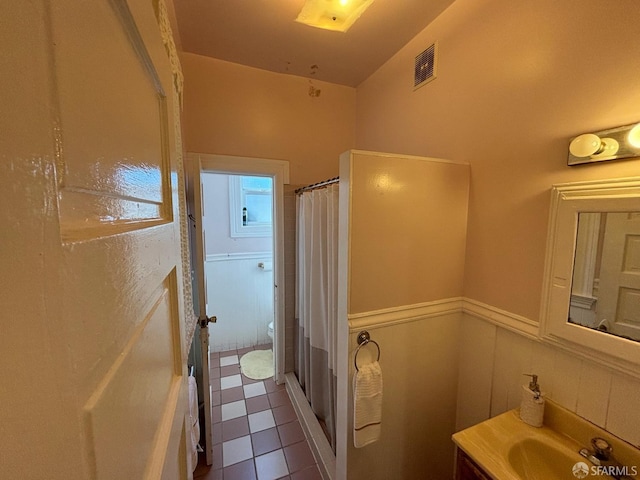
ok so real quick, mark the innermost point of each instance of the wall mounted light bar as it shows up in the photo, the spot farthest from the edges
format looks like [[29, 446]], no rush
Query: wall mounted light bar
[[613, 144]]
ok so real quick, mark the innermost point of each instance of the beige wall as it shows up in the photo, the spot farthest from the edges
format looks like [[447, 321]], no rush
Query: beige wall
[[237, 110], [515, 81], [405, 244], [407, 229]]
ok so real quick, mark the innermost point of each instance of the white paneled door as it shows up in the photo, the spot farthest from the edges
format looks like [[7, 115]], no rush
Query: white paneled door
[[196, 212], [619, 293], [92, 342]]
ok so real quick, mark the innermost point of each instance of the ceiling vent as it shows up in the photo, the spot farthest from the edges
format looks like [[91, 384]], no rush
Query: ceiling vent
[[425, 67]]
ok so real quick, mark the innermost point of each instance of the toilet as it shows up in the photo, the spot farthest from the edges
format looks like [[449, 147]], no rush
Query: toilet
[[270, 331]]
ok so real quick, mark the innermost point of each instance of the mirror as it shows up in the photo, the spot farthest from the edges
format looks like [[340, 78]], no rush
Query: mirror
[[592, 272], [605, 288]]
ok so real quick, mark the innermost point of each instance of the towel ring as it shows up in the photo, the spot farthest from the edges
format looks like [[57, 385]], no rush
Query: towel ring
[[363, 339]]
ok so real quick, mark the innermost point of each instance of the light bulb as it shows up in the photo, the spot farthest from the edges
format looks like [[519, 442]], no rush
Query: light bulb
[[634, 136], [585, 145]]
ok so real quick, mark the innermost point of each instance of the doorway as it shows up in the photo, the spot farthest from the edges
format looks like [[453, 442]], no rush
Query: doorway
[[238, 221], [234, 169]]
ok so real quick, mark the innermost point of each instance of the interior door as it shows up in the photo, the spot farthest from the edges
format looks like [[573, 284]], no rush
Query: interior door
[[279, 171], [619, 292], [196, 213], [92, 346]]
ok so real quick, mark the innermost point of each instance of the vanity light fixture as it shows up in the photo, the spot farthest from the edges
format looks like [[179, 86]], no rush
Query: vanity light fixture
[[634, 136], [337, 15], [591, 145], [612, 144]]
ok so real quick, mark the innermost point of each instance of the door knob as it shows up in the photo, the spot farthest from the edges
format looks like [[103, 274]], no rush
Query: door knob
[[204, 321]]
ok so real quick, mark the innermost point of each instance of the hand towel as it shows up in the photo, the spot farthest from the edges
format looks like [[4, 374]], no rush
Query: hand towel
[[367, 404], [195, 422]]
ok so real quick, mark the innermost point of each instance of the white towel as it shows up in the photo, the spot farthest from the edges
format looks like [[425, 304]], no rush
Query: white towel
[[195, 422], [367, 404]]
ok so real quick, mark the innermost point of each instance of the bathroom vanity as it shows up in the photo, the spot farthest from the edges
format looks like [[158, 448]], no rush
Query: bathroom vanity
[[506, 448], [467, 469]]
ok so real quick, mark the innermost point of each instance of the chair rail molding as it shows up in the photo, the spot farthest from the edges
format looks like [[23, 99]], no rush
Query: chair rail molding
[[502, 318]]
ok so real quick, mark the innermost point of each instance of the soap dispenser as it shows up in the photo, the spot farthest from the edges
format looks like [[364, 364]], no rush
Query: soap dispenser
[[532, 405]]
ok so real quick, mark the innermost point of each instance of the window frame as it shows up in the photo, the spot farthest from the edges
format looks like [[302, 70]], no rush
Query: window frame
[[237, 194]]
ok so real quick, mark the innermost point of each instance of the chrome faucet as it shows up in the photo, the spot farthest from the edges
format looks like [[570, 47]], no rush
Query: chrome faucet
[[602, 456], [602, 448]]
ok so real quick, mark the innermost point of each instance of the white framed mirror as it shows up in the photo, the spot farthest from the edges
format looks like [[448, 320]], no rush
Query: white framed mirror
[[591, 289]]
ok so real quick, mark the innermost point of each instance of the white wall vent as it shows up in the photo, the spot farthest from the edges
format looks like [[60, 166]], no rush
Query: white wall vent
[[425, 67]]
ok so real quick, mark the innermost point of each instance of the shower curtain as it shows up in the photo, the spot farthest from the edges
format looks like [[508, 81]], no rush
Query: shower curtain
[[316, 301]]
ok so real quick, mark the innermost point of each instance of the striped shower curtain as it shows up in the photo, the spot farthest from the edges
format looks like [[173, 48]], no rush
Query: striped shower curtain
[[316, 301]]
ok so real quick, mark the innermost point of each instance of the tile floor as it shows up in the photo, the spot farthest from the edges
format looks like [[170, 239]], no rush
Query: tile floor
[[256, 435]]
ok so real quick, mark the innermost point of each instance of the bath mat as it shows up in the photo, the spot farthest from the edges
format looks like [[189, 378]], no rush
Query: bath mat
[[257, 364]]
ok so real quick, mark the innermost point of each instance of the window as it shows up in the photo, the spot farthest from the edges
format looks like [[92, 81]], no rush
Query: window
[[251, 206]]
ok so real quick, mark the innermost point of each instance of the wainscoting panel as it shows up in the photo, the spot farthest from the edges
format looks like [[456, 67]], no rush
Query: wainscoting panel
[[494, 357], [419, 362], [240, 295]]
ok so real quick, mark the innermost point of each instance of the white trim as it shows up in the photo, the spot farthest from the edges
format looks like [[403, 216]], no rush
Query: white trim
[[580, 301], [403, 314], [524, 326], [222, 257], [248, 165], [587, 251], [593, 355], [568, 200], [397, 156], [316, 438], [279, 170], [409, 313], [502, 318], [343, 387], [236, 227]]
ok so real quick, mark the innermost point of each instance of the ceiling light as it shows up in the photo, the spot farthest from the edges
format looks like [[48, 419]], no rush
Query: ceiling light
[[336, 15]]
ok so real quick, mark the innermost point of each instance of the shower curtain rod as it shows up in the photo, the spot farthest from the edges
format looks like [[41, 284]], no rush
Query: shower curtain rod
[[313, 186]]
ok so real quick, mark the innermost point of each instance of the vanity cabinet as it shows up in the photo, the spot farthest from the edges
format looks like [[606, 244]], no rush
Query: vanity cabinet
[[467, 469]]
